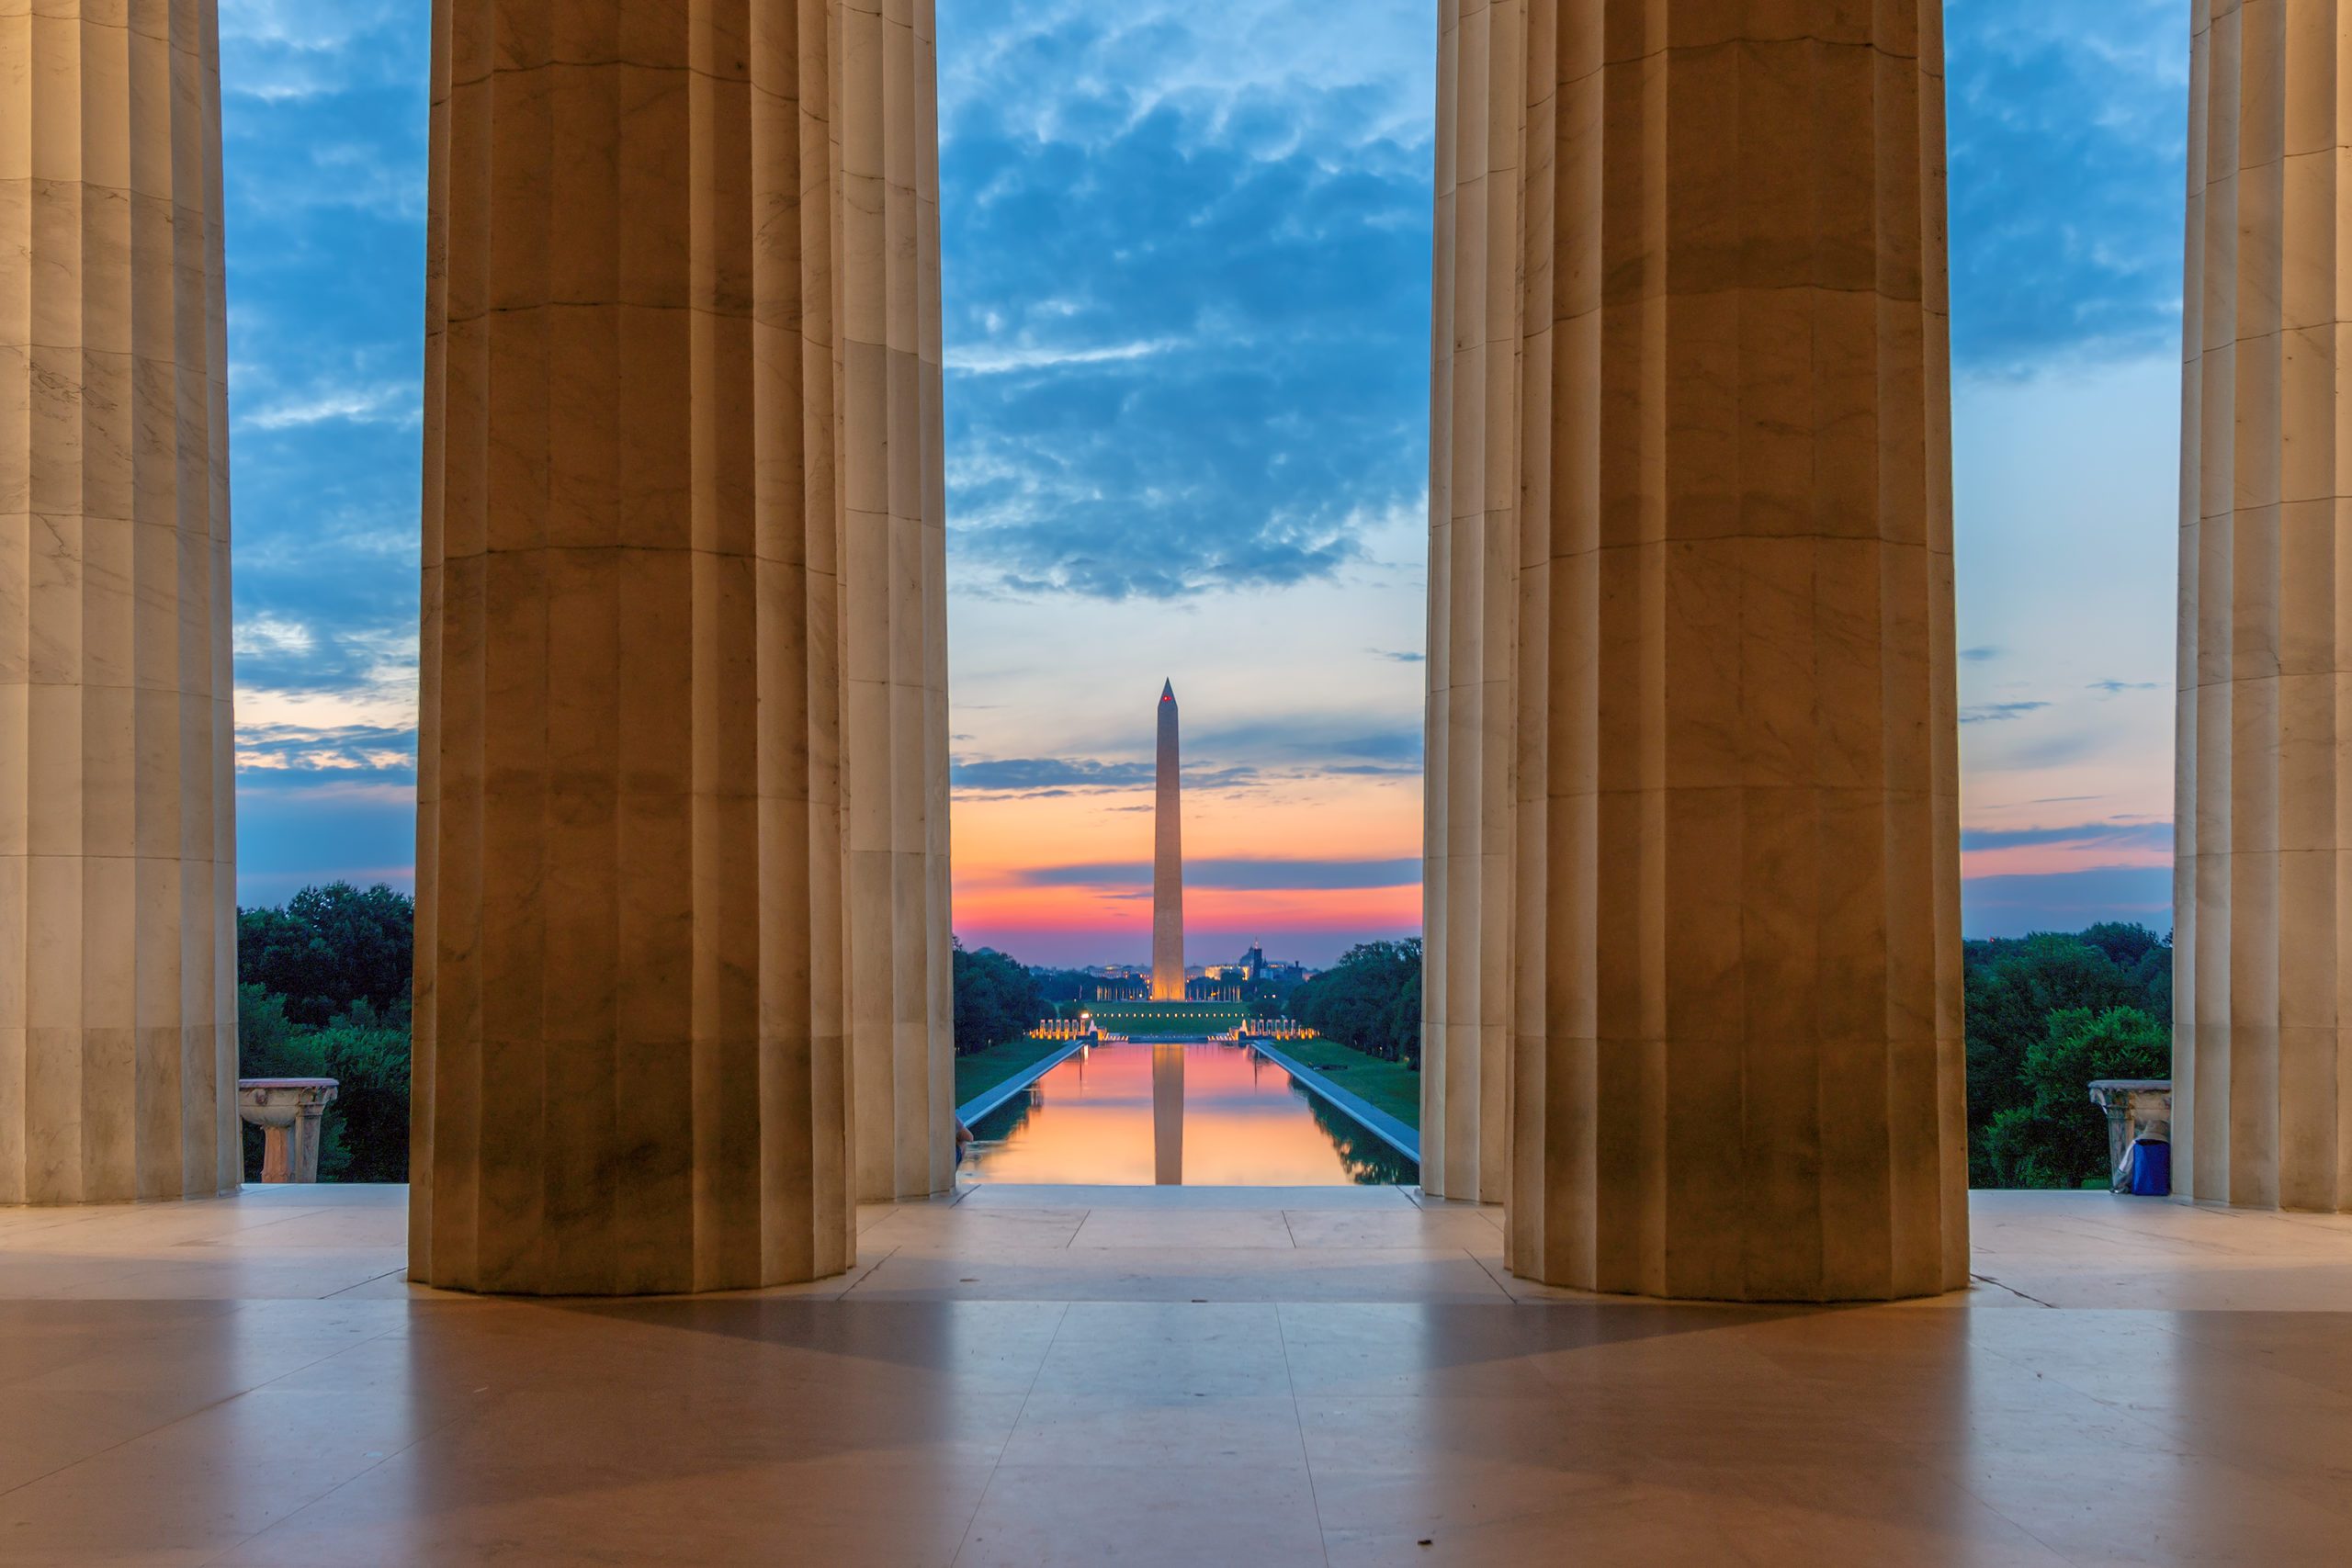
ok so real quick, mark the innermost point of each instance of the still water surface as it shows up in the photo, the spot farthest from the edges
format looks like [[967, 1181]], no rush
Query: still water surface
[[1196, 1115]]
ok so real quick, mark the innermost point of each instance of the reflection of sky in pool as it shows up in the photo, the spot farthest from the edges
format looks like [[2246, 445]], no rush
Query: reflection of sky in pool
[[1203, 1115]]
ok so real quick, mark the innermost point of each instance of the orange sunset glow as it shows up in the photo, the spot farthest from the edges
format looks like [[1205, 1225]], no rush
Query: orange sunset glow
[[1201, 1114], [1022, 866]]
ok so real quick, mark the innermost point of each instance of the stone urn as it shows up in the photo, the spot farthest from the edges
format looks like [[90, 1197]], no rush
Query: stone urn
[[287, 1111]]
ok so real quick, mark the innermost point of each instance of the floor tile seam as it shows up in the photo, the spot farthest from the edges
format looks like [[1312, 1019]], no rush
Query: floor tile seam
[[2012, 1289], [237, 1232], [2059, 1380], [2263, 1360], [228, 1555], [190, 1415], [1953, 1479], [2267, 1358], [862, 1275], [199, 1410], [401, 1268], [1298, 1419], [964, 1542], [1497, 1280]]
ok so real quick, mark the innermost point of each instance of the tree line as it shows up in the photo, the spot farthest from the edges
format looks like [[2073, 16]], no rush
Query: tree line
[[1370, 999], [324, 991], [2046, 1016]]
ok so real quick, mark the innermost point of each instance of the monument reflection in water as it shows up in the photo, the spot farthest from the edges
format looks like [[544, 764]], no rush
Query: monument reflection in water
[[1199, 1115]]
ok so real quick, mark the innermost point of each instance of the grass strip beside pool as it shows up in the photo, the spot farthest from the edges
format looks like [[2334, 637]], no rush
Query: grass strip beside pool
[[982, 1070], [1386, 1085]]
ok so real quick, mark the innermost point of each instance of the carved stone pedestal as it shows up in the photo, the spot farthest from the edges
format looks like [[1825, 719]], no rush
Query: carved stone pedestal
[[287, 1111]]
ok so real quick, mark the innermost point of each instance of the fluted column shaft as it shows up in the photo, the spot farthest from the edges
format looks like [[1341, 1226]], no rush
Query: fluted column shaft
[[653, 485], [885, 147], [118, 900], [2262, 1070], [1736, 1067], [1474, 544]]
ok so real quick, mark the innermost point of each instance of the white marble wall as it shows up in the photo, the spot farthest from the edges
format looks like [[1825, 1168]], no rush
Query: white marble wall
[[2262, 1070], [117, 918]]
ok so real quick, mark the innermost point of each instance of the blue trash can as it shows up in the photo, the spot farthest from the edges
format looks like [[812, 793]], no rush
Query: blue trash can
[[2151, 1167]]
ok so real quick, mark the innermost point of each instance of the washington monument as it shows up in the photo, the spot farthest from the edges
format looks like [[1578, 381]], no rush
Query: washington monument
[[1168, 863]]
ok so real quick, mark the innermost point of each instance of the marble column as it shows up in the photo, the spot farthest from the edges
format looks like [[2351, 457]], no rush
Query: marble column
[[117, 901], [1736, 1062], [1473, 543], [886, 151], [2262, 1059], [655, 365]]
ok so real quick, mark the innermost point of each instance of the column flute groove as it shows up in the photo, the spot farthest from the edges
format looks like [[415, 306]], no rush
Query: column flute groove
[[118, 898], [1473, 543], [2262, 1071], [1735, 1060], [649, 425]]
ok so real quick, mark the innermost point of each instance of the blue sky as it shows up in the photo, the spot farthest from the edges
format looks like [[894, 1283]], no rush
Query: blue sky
[[1186, 251]]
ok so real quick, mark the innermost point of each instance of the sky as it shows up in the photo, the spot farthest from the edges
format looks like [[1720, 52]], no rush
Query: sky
[[1185, 253]]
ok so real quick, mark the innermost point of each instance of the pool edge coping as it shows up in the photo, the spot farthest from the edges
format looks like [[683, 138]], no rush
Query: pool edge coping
[[1388, 1129], [989, 1099]]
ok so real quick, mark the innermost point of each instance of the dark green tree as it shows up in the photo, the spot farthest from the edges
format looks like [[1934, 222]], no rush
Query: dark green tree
[[997, 998], [323, 993], [2056, 1137], [2013, 989], [1370, 999], [1064, 985], [364, 1136], [330, 947]]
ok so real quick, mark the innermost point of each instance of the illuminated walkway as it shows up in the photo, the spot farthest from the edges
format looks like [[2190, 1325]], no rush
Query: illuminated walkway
[[1025, 1377]]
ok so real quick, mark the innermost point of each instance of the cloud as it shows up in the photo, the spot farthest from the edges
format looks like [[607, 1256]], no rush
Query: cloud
[[1995, 713], [998, 360], [1241, 874], [1400, 656], [394, 403], [307, 26], [2064, 901], [1979, 655], [268, 634], [2079, 835], [1186, 260], [2114, 688], [2067, 157], [282, 52], [1066, 776], [1081, 72], [1315, 743]]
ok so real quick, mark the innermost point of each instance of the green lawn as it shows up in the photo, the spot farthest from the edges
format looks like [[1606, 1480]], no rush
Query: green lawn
[[983, 1070], [1391, 1086]]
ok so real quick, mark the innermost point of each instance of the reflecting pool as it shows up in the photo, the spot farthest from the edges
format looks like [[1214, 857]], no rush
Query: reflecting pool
[[1200, 1115]]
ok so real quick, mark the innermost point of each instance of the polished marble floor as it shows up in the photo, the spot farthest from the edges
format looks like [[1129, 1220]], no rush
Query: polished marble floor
[[1074, 1375]]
